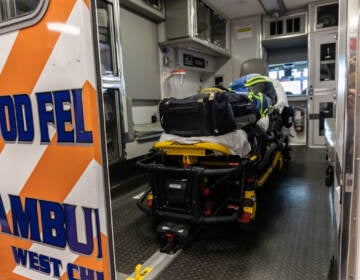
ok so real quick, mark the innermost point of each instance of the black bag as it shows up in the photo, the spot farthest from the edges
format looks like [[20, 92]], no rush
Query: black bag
[[207, 114], [287, 116], [197, 115], [245, 112]]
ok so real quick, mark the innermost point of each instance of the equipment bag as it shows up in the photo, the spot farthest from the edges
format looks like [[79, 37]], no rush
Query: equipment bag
[[245, 112], [198, 115]]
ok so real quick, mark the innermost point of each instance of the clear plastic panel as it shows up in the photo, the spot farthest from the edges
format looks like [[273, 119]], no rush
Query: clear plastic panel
[[111, 123]]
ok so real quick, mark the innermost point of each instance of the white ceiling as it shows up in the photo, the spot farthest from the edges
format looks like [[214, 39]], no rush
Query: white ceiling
[[295, 4], [236, 8], [242, 8]]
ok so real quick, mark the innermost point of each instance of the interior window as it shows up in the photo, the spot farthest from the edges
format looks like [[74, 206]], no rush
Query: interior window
[[292, 76], [106, 37], [12, 9]]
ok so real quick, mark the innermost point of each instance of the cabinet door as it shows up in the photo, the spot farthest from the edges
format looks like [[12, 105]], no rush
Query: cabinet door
[[113, 124], [323, 61], [326, 16], [321, 107], [139, 38]]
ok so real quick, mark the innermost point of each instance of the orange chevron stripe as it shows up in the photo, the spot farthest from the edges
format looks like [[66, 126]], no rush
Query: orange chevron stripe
[[93, 262], [56, 174], [87, 3], [32, 49], [7, 255], [59, 169], [92, 117], [2, 144], [24, 65]]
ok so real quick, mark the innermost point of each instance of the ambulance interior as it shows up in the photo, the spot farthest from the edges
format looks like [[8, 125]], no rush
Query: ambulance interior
[[155, 49]]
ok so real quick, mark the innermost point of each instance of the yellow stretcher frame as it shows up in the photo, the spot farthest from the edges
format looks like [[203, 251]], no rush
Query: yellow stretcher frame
[[190, 153], [199, 149]]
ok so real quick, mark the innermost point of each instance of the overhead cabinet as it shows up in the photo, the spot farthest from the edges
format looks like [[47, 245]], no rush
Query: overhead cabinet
[[324, 16], [292, 25], [151, 9], [192, 25]]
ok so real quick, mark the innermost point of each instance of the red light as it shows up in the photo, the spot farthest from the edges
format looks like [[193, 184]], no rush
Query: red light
[[250, 180], [208, 212], [206, 192], [245, 218], [149, 203]]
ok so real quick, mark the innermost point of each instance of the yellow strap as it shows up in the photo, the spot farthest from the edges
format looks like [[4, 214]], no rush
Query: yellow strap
[[211, 90]]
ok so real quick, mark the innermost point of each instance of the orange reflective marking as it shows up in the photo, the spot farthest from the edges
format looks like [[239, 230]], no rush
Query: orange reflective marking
[[2, 144], [93, 262], [31, 50], [87, 3], [91, 117], [56, 173]]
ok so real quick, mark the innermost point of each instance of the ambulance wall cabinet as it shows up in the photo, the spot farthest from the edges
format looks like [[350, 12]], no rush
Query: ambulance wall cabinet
[[192, 25], [151, 9], [289, 26], [324, 16]]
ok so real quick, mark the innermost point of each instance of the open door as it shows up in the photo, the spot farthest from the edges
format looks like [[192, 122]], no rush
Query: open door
[[55, 218]]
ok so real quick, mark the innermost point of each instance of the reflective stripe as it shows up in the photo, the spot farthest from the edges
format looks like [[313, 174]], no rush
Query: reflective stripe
[[259, 96], [257, 79]]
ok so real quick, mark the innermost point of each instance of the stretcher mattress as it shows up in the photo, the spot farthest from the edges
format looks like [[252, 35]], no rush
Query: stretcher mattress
[[237, 141]]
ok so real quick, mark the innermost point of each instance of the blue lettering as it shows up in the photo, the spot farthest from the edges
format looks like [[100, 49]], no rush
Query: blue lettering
[[56, 266], [44, 265], [63, 116], [37, 262], [20, 256], [22, 219], [33, 260], [45, 116], [82, 136], [83, 272], [71, 270], [99, 275], [52, 217], [25, 125], [71, 230], [3, 219], [7, 118], [86, 274], [98, 233], [58, 223]]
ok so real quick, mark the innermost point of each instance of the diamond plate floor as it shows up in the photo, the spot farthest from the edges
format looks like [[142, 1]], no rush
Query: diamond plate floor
[[293, 238], [134, 235]]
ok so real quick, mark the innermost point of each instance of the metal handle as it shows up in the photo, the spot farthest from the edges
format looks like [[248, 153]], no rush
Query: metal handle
[[311, 90]]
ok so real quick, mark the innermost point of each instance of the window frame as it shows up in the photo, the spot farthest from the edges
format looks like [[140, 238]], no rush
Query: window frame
[[25, 20]]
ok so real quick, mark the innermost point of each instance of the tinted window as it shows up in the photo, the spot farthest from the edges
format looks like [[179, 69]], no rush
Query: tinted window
[[12, 9]]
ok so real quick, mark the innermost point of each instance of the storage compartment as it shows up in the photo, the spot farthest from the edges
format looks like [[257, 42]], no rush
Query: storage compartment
[[291, 25], [151, 9], [192, 25]]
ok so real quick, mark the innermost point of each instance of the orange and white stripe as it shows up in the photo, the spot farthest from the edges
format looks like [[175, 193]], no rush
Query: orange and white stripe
[[55, 54]]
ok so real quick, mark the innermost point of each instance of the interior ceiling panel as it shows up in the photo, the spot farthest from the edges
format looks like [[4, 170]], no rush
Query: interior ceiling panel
[[295, 4], [236, 8], [242, 8]]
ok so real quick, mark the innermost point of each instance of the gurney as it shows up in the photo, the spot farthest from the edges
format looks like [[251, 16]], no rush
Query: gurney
[[210, 179]]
